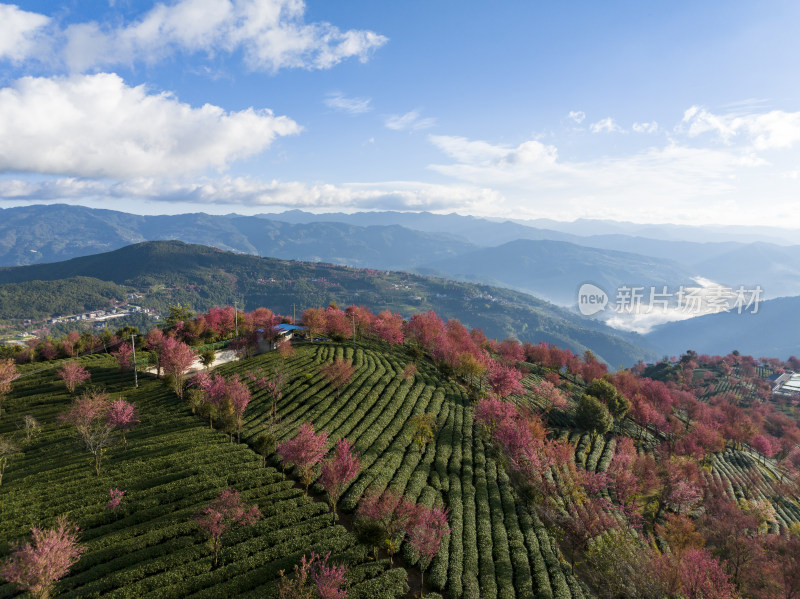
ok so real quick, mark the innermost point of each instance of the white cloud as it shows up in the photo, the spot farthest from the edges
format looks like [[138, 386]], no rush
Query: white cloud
[[606, 125], [96, 126], [338, 101], [271, 34], [409, 121], [577, 115], [651, 127], [765, 131], [245, 191], [19, 32]]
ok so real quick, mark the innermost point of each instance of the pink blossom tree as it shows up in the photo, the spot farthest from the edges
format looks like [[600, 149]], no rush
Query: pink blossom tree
[[315, 321], [391, 513], [552, 396], [239, 396], [763, 445], [338, 471], [304, 451], [388, 327], [329, 579], [314, 577], [115, 501], [8, 374], [491, 413], [425, 533], [88, 414], [221, 514], [176, 359], [273, 387], [122, 416], [123, 356], [73, 374], [155, 341], [338, 373], [37, 565], [504, 380]]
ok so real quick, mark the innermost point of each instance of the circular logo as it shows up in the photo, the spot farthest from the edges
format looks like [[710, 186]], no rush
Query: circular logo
[[591, 299]]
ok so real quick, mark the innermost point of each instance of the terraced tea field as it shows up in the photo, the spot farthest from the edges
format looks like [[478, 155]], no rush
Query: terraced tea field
[[173, 467]]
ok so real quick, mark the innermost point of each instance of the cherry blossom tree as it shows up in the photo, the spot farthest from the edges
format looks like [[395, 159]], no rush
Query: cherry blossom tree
[[329, 579], [391, 513], [338, 373], [122, 416], [339, 470], [8, 374], [154, 343], [221, 514], [7, 450], [388, 327], [88, 414], [176, 359], [314, 577], [304, 451], [762, 444], [425, 533], [123, 356], [35, 566], [239, 396], [491, 413], [73, 374], [511, 352], [115, 500], [550, 394], [315, 321], [504, 380]]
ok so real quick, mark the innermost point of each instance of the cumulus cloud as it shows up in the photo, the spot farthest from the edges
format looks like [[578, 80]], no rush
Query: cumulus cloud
[[97, 126], [20, 31], [606, 125], [651, 127], [271, 34], [338, 101], [410, 121], [577, 115], [481, 161], [765, 131]]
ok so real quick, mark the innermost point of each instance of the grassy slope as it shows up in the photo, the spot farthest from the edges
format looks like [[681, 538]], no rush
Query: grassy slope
[[174, 465]]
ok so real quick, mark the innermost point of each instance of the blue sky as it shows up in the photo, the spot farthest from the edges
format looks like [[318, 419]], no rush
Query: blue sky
[[680, 112]]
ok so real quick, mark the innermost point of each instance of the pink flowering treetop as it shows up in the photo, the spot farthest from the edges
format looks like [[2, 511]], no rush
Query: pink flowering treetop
[[391, 513], [550, 394], [176, 359], [88, 414], [425, 533], [339, 470], [37, 565], [304, 451], [122, 416], [115, 500], [314, 577], [491, 413], [222, 513], [338, 373], [504, 380], [73, 374], [8, 374], [388, 327], [239, 396], [123, 356]]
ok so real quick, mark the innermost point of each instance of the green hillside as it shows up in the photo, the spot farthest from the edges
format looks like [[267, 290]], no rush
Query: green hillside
[[175, 272]]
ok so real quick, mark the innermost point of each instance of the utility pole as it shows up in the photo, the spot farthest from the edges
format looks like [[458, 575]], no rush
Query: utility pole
[[353, 316], [236, 319], [135, 374], [294, 314]]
